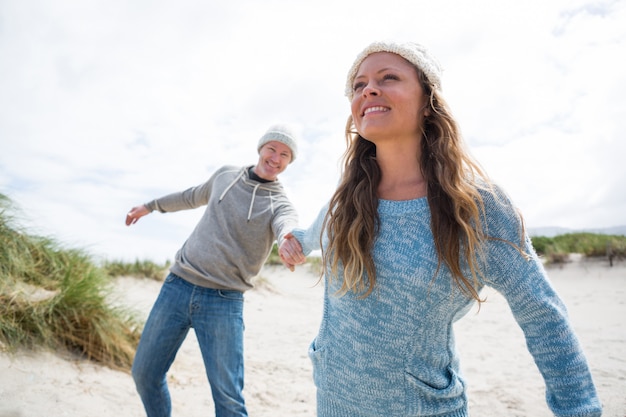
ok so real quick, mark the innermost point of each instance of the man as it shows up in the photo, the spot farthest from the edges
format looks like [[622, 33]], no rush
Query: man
[[246, 211]]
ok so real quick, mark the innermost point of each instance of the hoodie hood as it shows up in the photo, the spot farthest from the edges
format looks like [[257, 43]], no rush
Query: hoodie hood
[[273, 188]]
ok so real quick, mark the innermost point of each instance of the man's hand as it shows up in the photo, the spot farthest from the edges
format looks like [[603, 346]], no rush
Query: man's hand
[[135, 214], [290, 252]]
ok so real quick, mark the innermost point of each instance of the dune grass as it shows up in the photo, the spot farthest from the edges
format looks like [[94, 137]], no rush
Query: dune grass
[[56, 298]]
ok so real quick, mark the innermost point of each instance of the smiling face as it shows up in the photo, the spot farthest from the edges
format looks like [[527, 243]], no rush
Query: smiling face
[[388, 98], [273, 159]]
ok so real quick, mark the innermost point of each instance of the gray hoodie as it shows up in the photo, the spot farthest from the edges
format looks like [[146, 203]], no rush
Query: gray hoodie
[[234, 237]]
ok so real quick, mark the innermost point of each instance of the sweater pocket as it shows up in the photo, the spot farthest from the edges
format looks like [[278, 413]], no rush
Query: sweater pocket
[[424, 398], [318, 359]]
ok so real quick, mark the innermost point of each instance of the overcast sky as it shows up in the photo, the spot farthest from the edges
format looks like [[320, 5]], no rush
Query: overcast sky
[[108, 104]]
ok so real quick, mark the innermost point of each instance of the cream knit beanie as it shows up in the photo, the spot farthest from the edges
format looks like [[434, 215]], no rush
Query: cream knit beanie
[[283, 134], [413, 52]]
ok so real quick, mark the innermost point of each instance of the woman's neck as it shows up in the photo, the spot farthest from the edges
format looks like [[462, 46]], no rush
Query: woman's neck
[[402, 177]]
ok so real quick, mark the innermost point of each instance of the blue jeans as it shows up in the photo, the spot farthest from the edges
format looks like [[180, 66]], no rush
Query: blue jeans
[[217, 319]]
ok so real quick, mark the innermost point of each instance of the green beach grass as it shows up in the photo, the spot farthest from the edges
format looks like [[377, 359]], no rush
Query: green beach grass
[[54, 297]]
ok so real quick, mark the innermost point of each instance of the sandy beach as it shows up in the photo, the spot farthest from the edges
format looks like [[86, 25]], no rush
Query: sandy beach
[[282, 317]]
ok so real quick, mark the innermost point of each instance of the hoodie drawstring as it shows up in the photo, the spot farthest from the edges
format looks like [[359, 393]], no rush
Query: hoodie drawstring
[[231, 185], [256, 187]]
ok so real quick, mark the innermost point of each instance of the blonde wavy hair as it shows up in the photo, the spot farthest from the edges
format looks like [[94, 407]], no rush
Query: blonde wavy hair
[[453, 180]]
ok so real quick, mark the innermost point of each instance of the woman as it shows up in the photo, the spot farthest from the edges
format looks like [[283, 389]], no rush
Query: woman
[[412, 234]]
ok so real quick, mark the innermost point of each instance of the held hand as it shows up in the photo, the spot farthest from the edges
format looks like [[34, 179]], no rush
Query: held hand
[[290, 252], [135, 214]]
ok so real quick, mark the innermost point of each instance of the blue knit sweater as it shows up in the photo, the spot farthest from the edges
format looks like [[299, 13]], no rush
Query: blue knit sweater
[[393, 353]]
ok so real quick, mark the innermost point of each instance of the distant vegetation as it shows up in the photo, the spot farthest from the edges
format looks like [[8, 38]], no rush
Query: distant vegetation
[[140, 269], [274, 258], [59, 298], [557, 249]]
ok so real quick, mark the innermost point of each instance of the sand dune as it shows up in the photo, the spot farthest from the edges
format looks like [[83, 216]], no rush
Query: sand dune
[[281, 319]]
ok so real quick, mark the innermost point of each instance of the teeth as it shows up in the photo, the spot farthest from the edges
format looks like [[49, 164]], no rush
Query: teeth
[[371, 109]]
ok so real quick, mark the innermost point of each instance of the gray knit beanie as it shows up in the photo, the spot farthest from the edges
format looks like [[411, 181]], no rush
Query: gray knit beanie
[[283, 134], [413, 52]]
